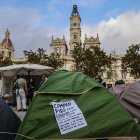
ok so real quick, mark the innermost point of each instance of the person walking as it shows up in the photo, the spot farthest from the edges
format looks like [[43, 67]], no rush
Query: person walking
[[31, 89], [21, 93]]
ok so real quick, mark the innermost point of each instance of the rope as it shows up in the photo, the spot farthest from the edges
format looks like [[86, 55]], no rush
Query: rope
[[18, 135]]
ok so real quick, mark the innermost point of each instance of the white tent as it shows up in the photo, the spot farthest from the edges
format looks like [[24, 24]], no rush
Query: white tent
[[33, 69], [9, 72]]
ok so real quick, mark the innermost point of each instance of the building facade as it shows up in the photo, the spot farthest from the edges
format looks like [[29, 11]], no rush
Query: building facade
[[60, 45]]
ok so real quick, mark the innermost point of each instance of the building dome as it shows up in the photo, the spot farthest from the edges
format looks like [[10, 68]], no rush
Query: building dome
[[7, 43]]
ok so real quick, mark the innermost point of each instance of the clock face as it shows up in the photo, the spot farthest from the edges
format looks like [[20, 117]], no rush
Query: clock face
[[74, 24]]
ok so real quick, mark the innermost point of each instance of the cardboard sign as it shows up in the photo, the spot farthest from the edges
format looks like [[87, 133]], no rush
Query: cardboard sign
[[68, 116]]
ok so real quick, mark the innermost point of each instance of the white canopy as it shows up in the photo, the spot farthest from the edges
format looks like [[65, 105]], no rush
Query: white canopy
[[6, 83], [26, 69]]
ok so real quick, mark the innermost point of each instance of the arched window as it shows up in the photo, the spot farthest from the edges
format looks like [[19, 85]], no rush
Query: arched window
[[108, 75], [9, 54], [58, 50], [75, 36]]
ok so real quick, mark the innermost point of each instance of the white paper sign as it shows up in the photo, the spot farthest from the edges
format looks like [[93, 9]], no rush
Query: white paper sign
[[68, 116]]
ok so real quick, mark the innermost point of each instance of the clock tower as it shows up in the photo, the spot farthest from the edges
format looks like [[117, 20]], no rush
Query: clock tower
[[75, 28]]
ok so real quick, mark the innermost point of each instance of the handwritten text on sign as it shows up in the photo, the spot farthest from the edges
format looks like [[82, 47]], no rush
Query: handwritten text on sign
[[68, 116]]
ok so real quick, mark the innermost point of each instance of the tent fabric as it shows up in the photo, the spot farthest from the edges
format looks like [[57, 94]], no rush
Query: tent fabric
[[27, 66], [118, 90], [131, 99], [9, 122], [104, 115], [35, 69], [68, 83], [129, 96]]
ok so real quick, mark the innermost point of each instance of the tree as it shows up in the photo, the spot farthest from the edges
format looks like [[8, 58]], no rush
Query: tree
[[77, 54], [131, 61], [40, 57], [5, 62], [93, 62], [55, 61]]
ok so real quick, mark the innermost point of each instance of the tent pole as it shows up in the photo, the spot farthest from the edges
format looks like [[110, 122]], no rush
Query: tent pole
[[29, 76]]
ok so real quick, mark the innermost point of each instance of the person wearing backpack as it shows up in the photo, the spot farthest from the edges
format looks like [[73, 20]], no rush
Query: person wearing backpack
[[21, 93]]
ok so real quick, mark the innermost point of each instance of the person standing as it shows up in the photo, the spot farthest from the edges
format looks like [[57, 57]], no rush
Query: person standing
[[14, 101], [21, 93], [31, 89], [44, 79]]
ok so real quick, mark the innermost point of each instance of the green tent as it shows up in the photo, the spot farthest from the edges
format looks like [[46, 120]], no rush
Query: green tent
[[72, 105]]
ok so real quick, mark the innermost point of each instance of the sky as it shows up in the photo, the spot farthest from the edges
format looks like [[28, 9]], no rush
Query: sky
[[33, 22]]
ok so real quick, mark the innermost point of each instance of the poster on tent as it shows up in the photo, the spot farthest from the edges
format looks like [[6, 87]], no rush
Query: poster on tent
[[68, 116]]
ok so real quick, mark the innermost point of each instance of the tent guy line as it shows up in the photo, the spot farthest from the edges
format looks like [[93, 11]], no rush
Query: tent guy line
[[17, 134]]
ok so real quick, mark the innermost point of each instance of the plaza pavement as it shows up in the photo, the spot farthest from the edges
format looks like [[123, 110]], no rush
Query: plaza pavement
[[20, 114]]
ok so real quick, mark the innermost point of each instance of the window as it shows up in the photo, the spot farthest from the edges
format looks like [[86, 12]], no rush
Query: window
[[58, 50], [9, 54], [75, 36], [123, 74], [108, 75], [74, 24]]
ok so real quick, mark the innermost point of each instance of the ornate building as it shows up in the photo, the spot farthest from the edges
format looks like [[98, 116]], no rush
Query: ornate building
[[75, 28], [60, 46], [91, 42], [6, 47]]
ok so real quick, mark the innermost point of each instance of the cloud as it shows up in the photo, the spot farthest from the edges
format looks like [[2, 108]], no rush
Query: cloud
[[23, 17], [113, 13], [117, 33], [25, 28], [28, 32]]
